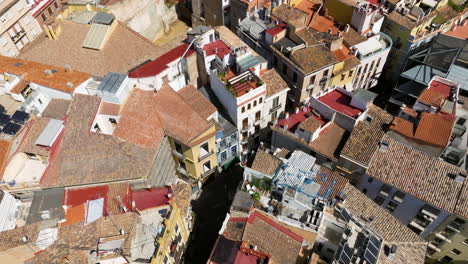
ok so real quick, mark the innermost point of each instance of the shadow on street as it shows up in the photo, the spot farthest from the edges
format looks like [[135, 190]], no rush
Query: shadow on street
[[210, 211]]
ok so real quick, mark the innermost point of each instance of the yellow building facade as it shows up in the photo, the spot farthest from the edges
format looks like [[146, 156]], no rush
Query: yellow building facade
[[342, 75], [172, 243], [198, 160]]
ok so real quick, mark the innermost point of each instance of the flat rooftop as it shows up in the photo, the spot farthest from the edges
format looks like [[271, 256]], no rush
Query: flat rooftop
[[340, 102]]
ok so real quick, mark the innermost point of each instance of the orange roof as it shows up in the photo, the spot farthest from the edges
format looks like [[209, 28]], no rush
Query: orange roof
[[308, 7], [410, 112], [431, 97], [321, 24], [109, 109], [343, 53], [36, 73], [434, 129], [197, 101], [147, 116], [4, 150], [74, 215], [460, 32]]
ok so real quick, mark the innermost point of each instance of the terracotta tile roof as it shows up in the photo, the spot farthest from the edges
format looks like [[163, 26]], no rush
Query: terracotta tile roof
[[365, 137], [75, 241], [28, 145], [384, 223], [290, 15], [431, 97], [322, 24], [282, 153], [218, 48], [118, 195], [229, 37], [276, 30], [181, 196], [432, 129], [418, 174], [124, 50], [311, 124], [308, 7], [331, 183], [109, 109], [158, 65], [352, 37], [460, 32], [312, 59], [411, 248], [265, 163], [343, 53], [235, 228], [274, 82], [329, 141], [197, 101], [14, 237], [163, 112], [56, 109], [139, 124], [84, 157], [34, 72], [309, 36], [20, 86], [407, 22], [281, 244], [4, 152]]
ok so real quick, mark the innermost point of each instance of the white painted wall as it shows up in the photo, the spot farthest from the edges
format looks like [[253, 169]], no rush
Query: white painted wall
[[8, 209], [268, 104]]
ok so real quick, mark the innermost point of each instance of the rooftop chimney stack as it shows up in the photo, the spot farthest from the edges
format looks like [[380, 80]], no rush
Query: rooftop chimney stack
[[286, 115]]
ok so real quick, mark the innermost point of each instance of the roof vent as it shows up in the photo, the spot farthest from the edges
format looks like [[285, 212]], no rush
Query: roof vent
[[25, 239], [70, 84], [460, 177], [48, 72], [67, 68], [393, 250]]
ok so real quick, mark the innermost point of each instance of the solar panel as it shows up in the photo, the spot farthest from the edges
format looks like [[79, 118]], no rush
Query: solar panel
[[348, 250], [20, 117], [375, 241], [369, 257], [11, 129], [345, 259], [4, 119]]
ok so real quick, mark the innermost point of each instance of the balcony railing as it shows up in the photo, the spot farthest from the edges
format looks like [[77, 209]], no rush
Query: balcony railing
[[274, 108], [182, 171], [178, 154], [244, 128], [206, 155], [208, 172]]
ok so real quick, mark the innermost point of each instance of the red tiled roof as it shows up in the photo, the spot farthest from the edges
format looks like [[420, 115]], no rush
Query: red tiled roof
[[441, 88], [244, 258], [217, 47], [158, 65], [322, 24], [150, 198], [257, 215], [75, 197], [297, 118], [460, 32], [276, 30], [340, 102]]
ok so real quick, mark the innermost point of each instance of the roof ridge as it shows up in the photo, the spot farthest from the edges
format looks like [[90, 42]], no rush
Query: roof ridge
[[135, 33]]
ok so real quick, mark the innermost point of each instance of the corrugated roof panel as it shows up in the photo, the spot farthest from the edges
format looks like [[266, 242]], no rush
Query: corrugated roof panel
[[50, 133], [103, 18], [298, 168], [95, 37]]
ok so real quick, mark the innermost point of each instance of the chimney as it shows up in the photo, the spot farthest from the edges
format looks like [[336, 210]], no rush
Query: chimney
[[69, 84], [48, 72], [297, 110], [275, 121], [393, 250], [286, 115], [67, 68], [346, 28]]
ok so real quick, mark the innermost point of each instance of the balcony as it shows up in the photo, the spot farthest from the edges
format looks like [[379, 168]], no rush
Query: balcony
[[182, 171], [178, 154], [444, 236], [244, 140], [455, 227], [434, 247], [19, 35], [208, 173], [275, 108], [245, 128], [205, 155]]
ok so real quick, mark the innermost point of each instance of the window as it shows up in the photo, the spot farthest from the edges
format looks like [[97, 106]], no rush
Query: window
[[378, 62], [234, 150], [49, 10], [257, 116], [222, 144], [325, 73], [275, 61], [465, 242], [245, 123], [234, 137], [391, 206], [274, 115], [359, 70], [285, 69], [457, 224], [379, 200], [446, 259], [260, 100], [43, 16], [204, 149], [176, 228], [182, 165], [399, 196], [206, 167], [455, 251], [368, 118], [249, 106], [312, 80], [255, 103], [112, 120], [350, 73], [342, 77], [223, 156], [178, 148], [40, 101], [243, 109], [365, 68], [165, 259], [294, 77], [276, 101], [56, 5]]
